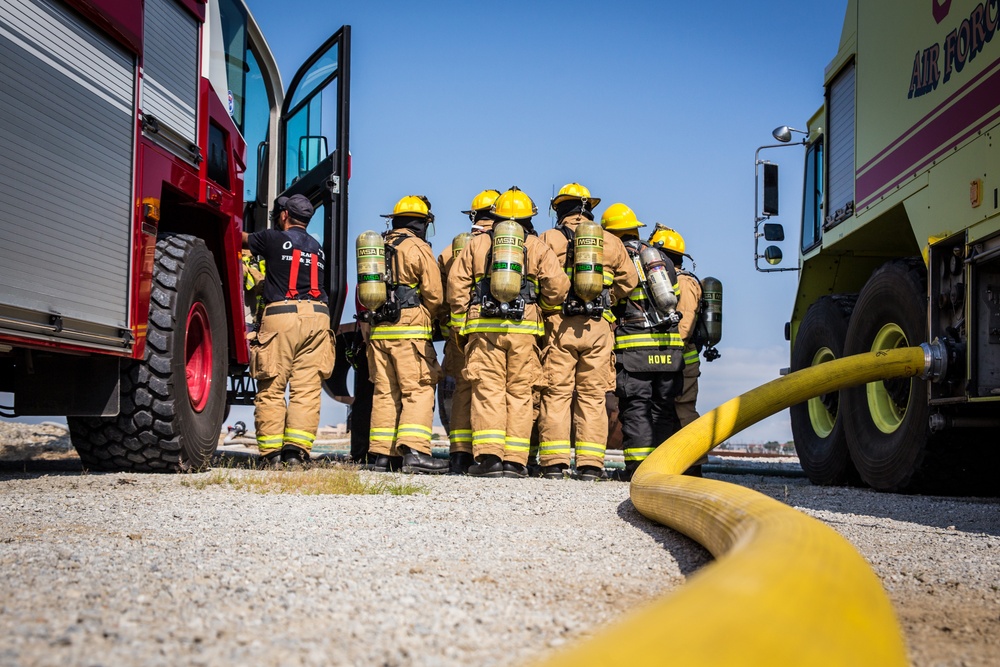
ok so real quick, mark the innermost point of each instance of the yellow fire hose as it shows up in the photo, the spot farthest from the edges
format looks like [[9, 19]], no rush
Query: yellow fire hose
[[785, 588]]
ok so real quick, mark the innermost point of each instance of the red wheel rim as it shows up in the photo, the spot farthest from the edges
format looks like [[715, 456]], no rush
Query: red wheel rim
[[198, 356]]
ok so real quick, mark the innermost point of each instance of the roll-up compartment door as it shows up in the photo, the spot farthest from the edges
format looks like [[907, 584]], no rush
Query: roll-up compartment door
[[66, 130]]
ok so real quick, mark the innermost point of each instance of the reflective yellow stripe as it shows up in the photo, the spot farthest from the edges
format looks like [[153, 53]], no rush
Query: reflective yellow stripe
[[491, 325], [305, 443], [481, 437], [512, 444], [456, 320], [383, 434], [461, 435], [677, 289], [609, 278], [418, 431], [544, 305], [590, 448], [401, 333], [300, 434], [554, 447], [265, 440], [656, 340], [691, 357], [638, 453]]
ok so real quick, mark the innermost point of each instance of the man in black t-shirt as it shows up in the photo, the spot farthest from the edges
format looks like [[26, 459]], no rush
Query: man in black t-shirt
[[294, 349]]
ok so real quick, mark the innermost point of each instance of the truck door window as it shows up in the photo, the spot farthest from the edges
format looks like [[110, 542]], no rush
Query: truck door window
[[812, 197], [257, 109], [312, 117]]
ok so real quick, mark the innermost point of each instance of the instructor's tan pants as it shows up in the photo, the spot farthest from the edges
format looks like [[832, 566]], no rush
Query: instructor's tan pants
[[294, 351]]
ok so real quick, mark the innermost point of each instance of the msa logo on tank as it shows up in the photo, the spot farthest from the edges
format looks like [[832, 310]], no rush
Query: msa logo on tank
[[937, 63]]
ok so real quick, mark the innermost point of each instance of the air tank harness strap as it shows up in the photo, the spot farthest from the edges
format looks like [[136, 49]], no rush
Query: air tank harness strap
[[293, 277]]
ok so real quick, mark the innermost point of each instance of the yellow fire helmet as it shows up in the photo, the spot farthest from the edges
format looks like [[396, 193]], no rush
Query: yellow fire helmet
[[619, 218], [667, 238], [416, 206], [514, 205], [482, 201], [575, 191]]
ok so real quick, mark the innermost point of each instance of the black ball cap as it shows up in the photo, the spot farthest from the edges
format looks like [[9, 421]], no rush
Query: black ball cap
[[298, 207]]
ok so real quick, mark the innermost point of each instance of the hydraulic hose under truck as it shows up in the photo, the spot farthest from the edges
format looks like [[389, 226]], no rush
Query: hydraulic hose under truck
[[785, 588]]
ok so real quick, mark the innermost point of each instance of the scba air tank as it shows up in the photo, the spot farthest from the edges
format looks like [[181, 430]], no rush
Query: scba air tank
[[371, 270], [588, 261], [711, 294], [507, 270], [658, 283], [459, 242]]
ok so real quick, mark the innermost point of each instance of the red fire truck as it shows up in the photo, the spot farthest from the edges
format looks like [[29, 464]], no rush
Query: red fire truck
[[139, 139]]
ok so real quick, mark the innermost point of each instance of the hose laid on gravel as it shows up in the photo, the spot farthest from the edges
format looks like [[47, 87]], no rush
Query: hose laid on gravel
[[786, 589]]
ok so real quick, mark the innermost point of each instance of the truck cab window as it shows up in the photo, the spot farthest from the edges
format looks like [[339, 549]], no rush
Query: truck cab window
[[234, 39], [812, 197]]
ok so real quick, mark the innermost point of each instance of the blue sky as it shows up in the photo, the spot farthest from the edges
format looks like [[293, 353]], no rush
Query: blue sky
[[659, 105]]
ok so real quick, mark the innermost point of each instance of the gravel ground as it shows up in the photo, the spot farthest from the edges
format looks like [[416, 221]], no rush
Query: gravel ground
[[127, 569]]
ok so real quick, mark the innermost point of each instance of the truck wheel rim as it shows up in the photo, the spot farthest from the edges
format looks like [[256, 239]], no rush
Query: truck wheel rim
[[887, 413], [198, 356], [821, 418]]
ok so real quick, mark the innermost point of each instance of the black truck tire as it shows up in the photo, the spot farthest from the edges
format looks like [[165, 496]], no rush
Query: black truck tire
[[887, 422], [173, 402], [818, 424]]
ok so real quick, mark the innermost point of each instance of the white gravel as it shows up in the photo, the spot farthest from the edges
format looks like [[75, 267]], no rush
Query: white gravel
[[128, 569]]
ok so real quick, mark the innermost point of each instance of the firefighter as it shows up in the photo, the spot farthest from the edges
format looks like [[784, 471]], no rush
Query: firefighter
[[648, 345], [293, 349], [401, 357], [688, 305], [578, 338], [495, 289], [457, 411]]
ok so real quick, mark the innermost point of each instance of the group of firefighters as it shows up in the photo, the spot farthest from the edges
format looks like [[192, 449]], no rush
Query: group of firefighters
[[539, 329]]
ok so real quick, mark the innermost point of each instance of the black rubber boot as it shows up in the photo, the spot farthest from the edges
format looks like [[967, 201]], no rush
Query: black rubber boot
[[459, 462], [294, 457], [489, 466], [418, 463], [395, 463], [514, 470], [590, 474], [556, 471], [626, 474], [376, 463], [270, 461]]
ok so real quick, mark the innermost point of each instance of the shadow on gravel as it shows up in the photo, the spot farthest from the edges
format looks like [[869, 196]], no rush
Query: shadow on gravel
[[690, 555], [941, 513]]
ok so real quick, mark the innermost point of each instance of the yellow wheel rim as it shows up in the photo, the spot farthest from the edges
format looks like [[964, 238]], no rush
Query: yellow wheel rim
[[886, 413], [820, 417]]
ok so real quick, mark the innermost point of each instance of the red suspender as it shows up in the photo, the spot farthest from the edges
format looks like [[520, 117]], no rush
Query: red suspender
[[293, 275], [314, 277]]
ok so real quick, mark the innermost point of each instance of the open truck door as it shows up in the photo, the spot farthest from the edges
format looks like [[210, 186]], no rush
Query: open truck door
[[310, 156]]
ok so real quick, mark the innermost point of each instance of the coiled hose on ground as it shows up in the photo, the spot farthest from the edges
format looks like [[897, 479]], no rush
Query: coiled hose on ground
[[785, 589]]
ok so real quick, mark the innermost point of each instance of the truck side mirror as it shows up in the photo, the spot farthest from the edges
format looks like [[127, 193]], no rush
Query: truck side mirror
[[772, 254], [770, 189], [312, 151], [773, 231]]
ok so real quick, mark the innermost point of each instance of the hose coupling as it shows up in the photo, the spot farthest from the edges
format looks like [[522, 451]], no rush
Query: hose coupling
[[936, 357]]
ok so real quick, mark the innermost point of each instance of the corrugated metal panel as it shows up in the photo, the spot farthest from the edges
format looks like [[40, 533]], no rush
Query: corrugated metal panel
[[66, 132], [840, 145], [170, 67]]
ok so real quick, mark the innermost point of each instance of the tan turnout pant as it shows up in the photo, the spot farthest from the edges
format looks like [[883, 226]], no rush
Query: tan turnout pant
[[576, 357], [460, 417], [294, 350], [501, 368], [404, 373]]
